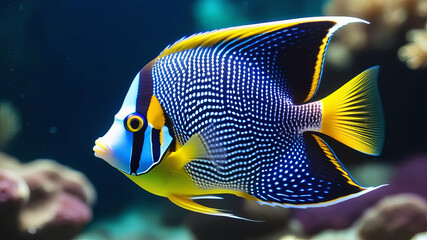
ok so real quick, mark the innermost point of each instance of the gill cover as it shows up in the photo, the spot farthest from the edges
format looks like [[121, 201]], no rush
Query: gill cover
[[150, 140], [148, 148]]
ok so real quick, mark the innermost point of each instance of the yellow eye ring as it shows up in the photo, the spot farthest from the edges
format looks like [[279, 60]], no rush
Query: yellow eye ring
[[134, 122]]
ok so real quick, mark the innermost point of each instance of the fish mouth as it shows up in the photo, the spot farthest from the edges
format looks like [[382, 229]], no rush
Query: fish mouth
[[100, 148]]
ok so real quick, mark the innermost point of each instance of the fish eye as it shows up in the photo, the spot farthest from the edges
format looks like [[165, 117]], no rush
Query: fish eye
[[134, 122]]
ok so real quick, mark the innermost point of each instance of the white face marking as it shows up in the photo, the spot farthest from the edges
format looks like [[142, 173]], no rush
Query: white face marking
[[118, 140], [116, 146], [129, 104], [119, 143]]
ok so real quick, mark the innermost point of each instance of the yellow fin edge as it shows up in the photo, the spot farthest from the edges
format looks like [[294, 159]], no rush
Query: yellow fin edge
[[331, 156], [340, 21], [211, 38], [318, 68]]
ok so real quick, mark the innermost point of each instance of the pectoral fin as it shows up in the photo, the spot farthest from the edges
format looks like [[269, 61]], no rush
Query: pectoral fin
[[194, 148]]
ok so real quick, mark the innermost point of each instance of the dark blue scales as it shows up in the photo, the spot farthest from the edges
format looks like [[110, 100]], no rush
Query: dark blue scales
[[247, 98]]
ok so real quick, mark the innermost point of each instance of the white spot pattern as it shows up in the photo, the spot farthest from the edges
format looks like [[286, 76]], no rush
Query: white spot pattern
[[236, 96]]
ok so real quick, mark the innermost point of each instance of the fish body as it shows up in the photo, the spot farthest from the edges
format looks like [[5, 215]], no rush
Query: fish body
[[229, 111]]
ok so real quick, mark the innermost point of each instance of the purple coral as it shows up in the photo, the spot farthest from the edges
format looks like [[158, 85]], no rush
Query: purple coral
[[397, 217], [338, 216], [42, 200], [14, 193]]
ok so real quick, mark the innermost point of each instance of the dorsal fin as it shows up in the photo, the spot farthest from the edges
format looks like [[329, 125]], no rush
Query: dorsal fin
[[299, 46]]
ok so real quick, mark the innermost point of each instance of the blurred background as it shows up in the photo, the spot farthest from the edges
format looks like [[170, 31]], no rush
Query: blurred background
[[65, 67]]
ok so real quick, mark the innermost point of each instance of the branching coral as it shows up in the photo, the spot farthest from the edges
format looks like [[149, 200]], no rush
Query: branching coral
[[42, 200], [415, 52]]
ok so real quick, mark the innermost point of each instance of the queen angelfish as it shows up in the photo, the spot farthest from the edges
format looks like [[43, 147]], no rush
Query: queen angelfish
[[229, 112]]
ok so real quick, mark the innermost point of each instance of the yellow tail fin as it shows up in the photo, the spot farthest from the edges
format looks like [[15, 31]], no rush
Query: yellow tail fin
[[353, 114]]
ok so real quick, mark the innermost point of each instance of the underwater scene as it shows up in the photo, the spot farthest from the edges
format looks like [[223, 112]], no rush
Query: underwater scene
[[213, 119]]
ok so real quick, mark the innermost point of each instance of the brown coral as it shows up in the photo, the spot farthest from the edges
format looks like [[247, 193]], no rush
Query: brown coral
[[388, 18], [42, 200], [395, 218], [415, 52]]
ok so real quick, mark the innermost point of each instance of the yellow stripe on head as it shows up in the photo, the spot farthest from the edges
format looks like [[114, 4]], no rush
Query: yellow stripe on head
[[155, 115]]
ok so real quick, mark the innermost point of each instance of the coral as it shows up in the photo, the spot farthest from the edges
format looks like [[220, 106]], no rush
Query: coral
[[42, 200], [10, 123], [290, 237], [415, 52], [389, 21], [397, 217], [347, 234], [420, 236], [339, 216], [14, 193]]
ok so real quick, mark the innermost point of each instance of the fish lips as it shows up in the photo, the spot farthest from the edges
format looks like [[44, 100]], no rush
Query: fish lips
[[104, 151]]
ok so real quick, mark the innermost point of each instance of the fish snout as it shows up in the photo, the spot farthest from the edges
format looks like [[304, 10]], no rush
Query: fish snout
[[101, 148]]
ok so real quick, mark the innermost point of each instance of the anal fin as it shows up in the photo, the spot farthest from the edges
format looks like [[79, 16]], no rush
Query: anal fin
[[324, 182], [324, 159], [308, 176], [335, 183], [189, 204]]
